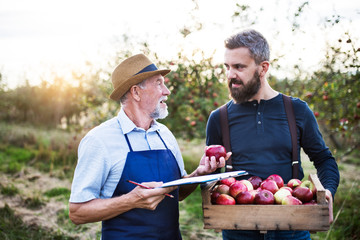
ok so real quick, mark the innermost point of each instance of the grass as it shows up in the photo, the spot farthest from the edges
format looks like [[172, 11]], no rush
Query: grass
[[56, 192], [12, 227], [10, 190], [54, 152]]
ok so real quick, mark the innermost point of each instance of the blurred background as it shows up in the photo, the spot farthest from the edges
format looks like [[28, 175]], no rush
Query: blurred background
[[56, 59]]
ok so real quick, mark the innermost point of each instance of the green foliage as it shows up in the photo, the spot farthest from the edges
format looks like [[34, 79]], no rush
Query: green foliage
[[53, 151], [332, 93], [55, 192], [346, 216], [13, 159], [191, 219], [196, 89]]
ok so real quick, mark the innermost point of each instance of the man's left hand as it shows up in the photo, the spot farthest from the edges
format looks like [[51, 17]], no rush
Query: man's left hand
[[208, 165], [330, 201]]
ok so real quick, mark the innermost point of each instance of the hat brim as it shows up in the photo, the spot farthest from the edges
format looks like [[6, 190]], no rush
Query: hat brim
[[123, 88]]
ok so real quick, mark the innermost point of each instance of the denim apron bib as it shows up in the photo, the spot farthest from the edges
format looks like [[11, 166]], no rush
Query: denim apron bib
[[162, 223]]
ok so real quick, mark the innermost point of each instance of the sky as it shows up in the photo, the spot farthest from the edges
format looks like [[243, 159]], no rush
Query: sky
[[42, 37]]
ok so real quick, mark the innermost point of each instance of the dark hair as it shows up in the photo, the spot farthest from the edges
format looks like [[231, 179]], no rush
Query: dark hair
[[252, 40]]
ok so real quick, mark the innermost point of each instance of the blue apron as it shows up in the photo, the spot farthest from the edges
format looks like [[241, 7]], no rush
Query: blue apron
[[162, 223]]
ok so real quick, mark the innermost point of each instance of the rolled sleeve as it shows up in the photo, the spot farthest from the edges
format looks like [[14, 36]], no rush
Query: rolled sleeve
[[91, 170]]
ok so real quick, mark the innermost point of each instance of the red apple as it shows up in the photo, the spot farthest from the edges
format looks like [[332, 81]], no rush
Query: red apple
[[278, 179], [228, 181], [291, 200], [255, 191], [222, 188], [224, 199], [293, 183], [312, 202], [279, 195], [214, 196], [287, 188], [310, 185], [264, 197], [215, 150], [255, 181], [237, 187], [245, 197], [248, 184], [304, 194], [270, 185]]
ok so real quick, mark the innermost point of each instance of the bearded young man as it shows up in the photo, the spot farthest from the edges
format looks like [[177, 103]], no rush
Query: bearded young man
[[133, 146], [259, 132]]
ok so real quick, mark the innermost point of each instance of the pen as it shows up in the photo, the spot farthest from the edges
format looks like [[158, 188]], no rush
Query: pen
[[138, 184]]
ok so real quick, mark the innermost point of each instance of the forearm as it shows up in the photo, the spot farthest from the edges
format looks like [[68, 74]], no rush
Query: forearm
[[98, 209], [328, 173], [103, 209]]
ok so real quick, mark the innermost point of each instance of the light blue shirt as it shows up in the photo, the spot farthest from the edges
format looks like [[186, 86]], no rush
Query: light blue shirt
[[102, 154]]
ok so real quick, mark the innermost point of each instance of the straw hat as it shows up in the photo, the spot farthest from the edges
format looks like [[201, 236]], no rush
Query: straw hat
[[132, 71]]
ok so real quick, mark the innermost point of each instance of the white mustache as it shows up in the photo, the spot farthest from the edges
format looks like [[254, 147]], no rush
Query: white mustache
[[162, 99]]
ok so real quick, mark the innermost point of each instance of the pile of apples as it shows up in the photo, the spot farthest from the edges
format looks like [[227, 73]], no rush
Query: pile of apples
[[272, 190]]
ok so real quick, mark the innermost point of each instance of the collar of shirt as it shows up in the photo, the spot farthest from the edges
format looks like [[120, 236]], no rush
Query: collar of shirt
[[128, 126]]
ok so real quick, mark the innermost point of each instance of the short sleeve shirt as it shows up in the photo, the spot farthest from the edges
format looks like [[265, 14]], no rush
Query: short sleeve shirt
[[103, 151]]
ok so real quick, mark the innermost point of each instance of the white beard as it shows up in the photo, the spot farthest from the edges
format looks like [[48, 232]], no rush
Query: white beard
[[159, 112]]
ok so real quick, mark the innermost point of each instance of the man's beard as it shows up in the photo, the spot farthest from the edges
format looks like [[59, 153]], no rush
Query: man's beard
[[246, 92], [159, 112]]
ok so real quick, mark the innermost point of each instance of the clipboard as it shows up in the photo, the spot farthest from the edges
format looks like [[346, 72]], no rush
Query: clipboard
[[203, 179]]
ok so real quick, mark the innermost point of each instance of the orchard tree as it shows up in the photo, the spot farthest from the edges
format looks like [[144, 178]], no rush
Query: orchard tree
[[196, 88], [333, 93]]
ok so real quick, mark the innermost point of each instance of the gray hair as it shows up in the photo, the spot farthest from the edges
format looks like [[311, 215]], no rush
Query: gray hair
[[124, 97], [252, 40]]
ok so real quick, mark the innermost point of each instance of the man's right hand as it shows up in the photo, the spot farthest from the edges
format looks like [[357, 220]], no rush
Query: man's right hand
[[149, 198]]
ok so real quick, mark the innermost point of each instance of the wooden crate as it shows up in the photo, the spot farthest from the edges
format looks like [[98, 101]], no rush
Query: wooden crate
[[267, 217]]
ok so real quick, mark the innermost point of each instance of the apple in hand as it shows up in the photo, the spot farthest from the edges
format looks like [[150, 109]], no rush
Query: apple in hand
[[248, 184], [278, 179], [237, 187], [264, 197], [270, 185], [279, 195], [217, 151], [222, 188], [293, 183], [224, 199], [291, 200], [228, 181], [245, 197], [255, 181], [304, 194], [310, 185]]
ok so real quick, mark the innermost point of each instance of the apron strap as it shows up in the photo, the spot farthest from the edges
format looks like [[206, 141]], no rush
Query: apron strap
[[128, 142], [162, 139]]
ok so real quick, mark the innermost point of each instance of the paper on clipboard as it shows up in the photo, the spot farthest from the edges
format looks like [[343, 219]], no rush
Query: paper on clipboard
[[203, 179]]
